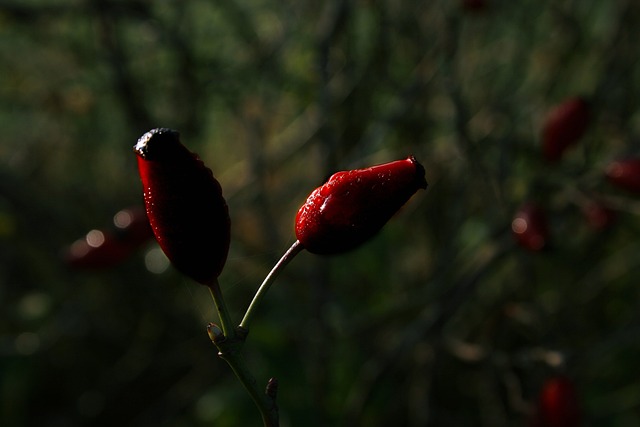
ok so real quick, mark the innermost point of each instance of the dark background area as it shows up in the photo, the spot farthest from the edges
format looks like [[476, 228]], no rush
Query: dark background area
[[441, 320]]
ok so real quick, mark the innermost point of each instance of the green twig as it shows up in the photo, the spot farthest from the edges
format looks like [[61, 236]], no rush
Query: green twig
[[230, 350], [229, 341], [268, 281], [225, 318]]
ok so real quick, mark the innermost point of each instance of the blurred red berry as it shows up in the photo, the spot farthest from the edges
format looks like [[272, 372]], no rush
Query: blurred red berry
[[132, 225], [352, 206], [188, 214], [564, 126], [102, 249], [474, 5], [625, 174], [530, 227], [558, 404], [97, 250], [598, 215]]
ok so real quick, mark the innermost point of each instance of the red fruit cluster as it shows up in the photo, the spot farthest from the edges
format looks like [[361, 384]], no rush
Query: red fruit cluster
[[352, 206], [101, 249], [530, 227], [558, 404], [185, 206], [564, 126]]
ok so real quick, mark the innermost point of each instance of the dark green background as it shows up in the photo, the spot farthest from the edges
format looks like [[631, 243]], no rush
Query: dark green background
[[439, 321]]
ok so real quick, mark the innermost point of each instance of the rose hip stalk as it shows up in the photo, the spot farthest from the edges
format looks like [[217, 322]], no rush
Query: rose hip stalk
[[345, 212], [352, 206], [184, 203]]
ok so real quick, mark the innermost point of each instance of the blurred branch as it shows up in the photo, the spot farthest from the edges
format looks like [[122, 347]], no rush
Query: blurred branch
[[469, 148], [127, 89], [614, 87], [428, 325], [335, 16]]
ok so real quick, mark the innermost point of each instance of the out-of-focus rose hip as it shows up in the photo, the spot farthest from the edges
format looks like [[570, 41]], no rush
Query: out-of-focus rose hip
[[565, 124], [598, 215], [102, 249], [558, 404], [133, 225], [530, 227], [474, 5], [625, 174]]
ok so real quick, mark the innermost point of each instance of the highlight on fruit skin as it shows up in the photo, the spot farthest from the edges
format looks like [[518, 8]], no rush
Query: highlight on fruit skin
[[564, 125], [352, 206], [184, 203], [625, 174], [530, 227]]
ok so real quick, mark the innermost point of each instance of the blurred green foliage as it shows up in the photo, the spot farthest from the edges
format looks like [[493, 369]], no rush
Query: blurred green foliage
[[440, 321]]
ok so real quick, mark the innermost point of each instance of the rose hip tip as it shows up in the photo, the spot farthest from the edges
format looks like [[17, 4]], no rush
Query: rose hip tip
[[420, 173], [146, 146]]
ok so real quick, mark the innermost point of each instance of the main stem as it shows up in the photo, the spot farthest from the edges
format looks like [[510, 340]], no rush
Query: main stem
[[268, 281], [230, 343], [231, 352]]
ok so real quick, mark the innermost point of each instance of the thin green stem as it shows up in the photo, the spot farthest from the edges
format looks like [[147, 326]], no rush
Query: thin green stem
[[268, 281], [225, 318], [231, 352]]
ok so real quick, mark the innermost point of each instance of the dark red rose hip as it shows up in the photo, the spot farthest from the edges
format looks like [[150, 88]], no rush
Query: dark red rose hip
[[185, 206], [564, 126], [598, 215], [474, 5], [625, 174], [530, 228], [102, 249], [352, 206], [98, 250], [558, 404]]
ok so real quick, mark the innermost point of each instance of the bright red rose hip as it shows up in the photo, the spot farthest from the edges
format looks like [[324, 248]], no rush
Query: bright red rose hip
[[185, 206], [352, 206]]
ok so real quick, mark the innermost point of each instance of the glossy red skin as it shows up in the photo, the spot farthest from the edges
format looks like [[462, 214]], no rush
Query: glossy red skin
[[530, 227], [558, 404], [564, 126], [352, 206], [625, 174], [184, 203]]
